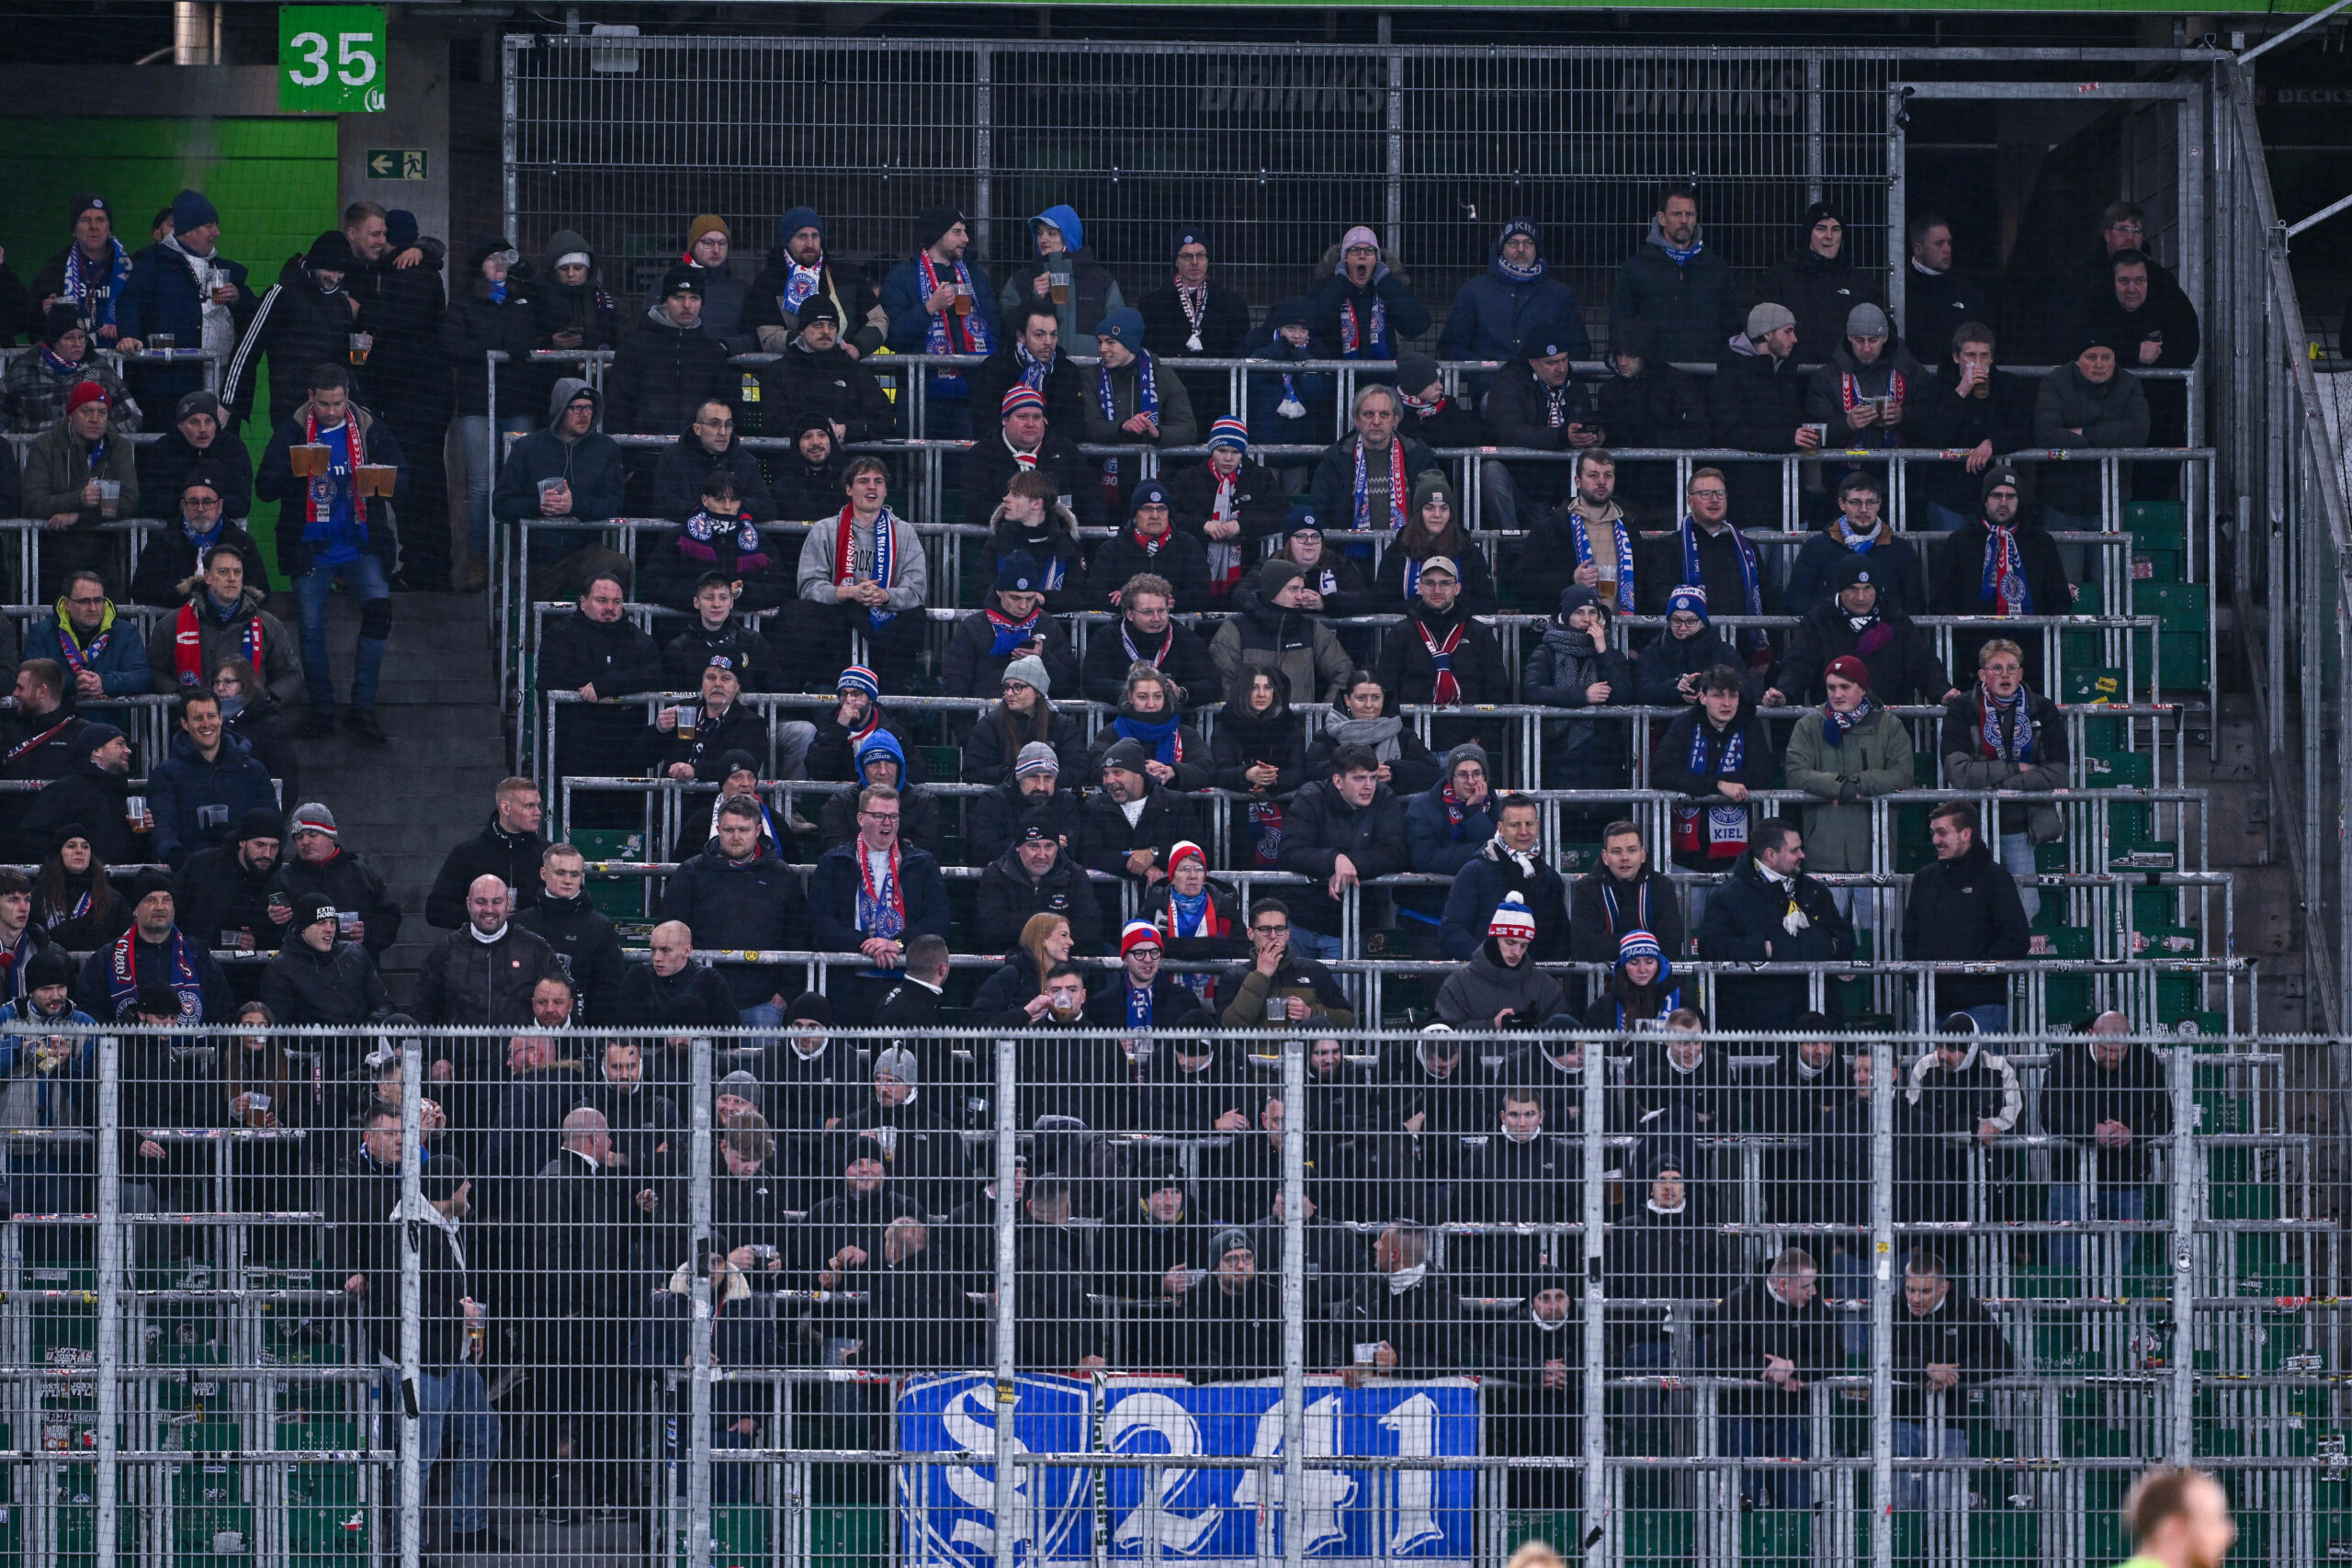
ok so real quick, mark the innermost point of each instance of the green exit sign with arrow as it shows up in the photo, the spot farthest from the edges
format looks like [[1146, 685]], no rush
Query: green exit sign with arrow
[[396, 163]]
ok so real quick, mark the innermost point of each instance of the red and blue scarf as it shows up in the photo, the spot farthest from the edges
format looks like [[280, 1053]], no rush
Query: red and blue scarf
[[881, 911], [947, 332], [2003, 582], [1446, 688], [122, 974], [885, 551]]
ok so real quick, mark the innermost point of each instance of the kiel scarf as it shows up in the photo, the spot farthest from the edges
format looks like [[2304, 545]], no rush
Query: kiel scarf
[[881, 911], [1146, 402], [2004, 728], [318, 498], [1290, 407], [1266, 831], [1139, 1006], [1641, 906], [1034, 370], [95, 302], [1024, 461], [1580, 530], [1454, 811], [1445, 689], [800, 282], [1724, 832], [1751, 593], [948, 333], [1682, 257], [1164, 740], [885, 551], [78, 658], [1834, 724], [694, 540], [1187, 917], [1397, 496], [1850, 392], [1136, 654], [1555, 405], [1861, 543], [1195, 303], [62, 368], [188, 643], [1224, 555], [1009, 632], [2003, 582], [1356, 340], [122, 973]]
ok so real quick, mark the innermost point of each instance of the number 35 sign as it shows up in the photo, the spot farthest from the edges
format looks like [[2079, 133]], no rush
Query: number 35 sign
[[331, 58]]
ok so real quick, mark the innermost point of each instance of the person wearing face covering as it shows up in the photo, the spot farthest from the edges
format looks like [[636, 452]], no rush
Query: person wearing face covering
[[1538, 1400], [1516, 1176], [1668, 1251]]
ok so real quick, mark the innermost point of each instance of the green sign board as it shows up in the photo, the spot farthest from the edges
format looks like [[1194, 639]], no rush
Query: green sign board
[[331, 58], [396, 163]]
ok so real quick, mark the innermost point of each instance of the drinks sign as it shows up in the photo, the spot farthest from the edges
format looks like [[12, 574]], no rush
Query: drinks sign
[[331, 58]]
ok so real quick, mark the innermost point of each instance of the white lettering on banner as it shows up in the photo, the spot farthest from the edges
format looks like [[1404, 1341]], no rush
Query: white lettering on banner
[[1157, 1414], [976, 1489], [1328, 1491], [1415, 1424]]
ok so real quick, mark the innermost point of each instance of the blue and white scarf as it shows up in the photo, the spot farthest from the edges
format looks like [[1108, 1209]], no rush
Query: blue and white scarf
[[1147, 399], [1834, 724], [1750, 578], [1581, 531]]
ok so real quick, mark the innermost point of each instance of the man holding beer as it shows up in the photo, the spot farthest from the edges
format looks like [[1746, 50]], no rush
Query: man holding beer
[[332, 462]]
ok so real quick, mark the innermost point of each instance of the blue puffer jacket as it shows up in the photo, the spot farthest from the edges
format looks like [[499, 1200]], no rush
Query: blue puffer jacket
[[120, 666], [1495, 312]]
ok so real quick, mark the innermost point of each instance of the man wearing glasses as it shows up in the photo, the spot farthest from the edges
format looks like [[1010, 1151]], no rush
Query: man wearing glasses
[[875, 894], [102, 653], [2090, 289], [1278, 988], [709, 443], [1708, 552]]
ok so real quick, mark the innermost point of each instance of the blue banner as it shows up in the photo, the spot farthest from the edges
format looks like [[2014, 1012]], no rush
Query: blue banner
[[1211, 1515]]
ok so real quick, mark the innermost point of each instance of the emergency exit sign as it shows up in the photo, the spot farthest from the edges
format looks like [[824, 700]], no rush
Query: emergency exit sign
[[396, 163]]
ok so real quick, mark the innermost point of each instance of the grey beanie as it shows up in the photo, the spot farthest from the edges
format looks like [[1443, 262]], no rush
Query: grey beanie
[[743, 1085], [1030, 670], [1468, 752], [1768, 318], [899, 1063], [1866, 320]]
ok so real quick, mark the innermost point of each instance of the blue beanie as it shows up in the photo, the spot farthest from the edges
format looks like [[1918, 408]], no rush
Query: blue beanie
[[191, 211], [1691, 598], [796, 218]]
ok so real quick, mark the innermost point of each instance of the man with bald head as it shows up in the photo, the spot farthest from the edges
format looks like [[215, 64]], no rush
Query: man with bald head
[[2107, 1096], [583, 1223], [481, 974], [673, 991]]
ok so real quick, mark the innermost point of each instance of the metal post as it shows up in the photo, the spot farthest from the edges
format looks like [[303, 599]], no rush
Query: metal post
[[1007, 1383], [983, 149], [510, 132], [2180, 1064], [1898, 253], [1885, 1083], [108, 1354], [698, 1150], [1596, 1336], [1294, 1303], [1393, 227], [412, 1388], [1815, 151]]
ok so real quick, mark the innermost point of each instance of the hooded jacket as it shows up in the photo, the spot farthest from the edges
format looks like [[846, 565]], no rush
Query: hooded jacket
[[919, 821], [1052, 549], [2113, 413], [1756, 404], [724, 301], [662, 372], [557, 307], [120, 665], [1672, 1256], [591, 466], [744, 905], [1965, 909], [1295, 644], [1475, 993], [475, 324], [1692, 306], [1874, 757], [1311, 390], [1495, 311], [1744, 917], [1582, 754], [1094, 292], [281, 665], [971, 668], [1893, 374], [58, 465], [1334, 295], [195, 802], [298, 325]]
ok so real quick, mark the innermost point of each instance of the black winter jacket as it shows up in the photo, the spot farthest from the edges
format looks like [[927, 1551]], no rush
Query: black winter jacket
[[751, 904], [1744, 915], [1320, 827], [1965, 910], [513, 858]]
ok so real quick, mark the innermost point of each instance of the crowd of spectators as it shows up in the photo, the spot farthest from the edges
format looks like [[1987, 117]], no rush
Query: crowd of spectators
[[1246, 702]]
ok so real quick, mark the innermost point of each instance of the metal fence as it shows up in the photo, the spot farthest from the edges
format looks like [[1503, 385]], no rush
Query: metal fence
[[783, 1297], [1277, 150]]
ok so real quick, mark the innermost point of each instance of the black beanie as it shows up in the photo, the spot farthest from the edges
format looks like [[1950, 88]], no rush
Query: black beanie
[[935, 221], [810, 1008]]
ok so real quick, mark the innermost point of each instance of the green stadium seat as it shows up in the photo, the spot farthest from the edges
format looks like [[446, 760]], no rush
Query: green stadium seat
[[621, 897]]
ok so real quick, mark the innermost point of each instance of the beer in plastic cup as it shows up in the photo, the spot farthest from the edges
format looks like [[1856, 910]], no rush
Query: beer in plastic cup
[[1277, 1009], [689, 720], [308, 459], [162, 343], [109, 497], [134, 807], [360, 344], [378, 479], [962, 303]]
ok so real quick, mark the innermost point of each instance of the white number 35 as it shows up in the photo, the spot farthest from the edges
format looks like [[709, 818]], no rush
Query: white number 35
[[354, 64]]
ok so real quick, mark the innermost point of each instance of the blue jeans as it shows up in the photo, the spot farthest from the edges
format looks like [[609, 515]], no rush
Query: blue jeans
[[2114, 1203], [1771, 1436], [1940, 1489], [1944, 520], [2016, 859], [456, 1401], [1991, 1017], [482, 456], [765, 1016], [1315, 944], [364, 576]]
